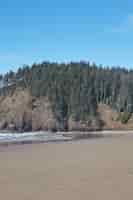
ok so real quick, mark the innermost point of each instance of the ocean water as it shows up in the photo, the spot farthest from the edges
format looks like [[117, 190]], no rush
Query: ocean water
[[41, 136]]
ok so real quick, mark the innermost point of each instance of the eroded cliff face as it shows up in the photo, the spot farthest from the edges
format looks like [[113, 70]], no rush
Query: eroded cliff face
[[22, 112], [16, 111], [110, 119], [92, 124], [42, 115]]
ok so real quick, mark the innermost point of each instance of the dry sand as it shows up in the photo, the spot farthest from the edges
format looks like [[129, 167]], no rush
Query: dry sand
[[95, 169]]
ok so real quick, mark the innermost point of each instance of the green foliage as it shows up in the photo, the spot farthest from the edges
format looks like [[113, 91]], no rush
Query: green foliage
[[75, 89], [124, 117]]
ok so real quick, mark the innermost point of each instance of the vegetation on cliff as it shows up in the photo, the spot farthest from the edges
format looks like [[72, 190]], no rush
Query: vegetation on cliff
[[73, 90]]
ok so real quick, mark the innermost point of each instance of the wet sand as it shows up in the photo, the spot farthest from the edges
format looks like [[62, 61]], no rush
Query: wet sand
[[96, 169]]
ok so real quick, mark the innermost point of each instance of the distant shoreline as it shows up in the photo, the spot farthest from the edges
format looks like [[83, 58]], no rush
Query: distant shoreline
[[7, 138]]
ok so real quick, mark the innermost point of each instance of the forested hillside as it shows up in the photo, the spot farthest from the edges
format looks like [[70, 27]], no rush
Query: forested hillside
[[74, 90]]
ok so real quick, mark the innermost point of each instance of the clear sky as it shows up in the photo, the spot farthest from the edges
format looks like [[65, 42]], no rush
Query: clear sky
[[64, 30]]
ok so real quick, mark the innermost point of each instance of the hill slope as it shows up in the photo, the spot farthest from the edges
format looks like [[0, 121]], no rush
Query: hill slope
[[73, 96], [22, 112]]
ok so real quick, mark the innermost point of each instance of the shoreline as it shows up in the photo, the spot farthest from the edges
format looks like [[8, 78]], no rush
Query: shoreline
[[9, 138]]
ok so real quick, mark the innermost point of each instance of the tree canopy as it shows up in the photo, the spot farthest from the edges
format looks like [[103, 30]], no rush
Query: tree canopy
[[74, 89]]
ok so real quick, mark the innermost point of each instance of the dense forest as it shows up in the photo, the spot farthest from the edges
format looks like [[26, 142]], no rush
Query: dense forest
[[74, 89]]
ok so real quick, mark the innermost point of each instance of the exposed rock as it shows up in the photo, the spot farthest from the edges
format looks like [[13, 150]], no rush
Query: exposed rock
[[42, 116], [109, 117], [22, 112], [93, 124], [15, 110]]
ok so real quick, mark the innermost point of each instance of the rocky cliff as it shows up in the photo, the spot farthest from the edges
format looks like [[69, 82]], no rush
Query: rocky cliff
[[22, 112]]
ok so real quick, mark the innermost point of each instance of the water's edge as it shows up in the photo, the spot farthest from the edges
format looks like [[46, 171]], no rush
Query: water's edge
[[46, 136]]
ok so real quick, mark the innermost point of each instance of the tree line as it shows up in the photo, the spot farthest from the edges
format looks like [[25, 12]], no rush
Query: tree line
[[74, 89]]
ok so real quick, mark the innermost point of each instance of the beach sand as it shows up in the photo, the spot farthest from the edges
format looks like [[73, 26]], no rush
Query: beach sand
[[95, 169]]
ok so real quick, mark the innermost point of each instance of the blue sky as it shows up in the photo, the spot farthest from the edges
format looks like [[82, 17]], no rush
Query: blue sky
[[56, 30]]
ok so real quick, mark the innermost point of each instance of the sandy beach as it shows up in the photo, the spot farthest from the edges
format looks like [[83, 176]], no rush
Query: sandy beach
[[97, 169]]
